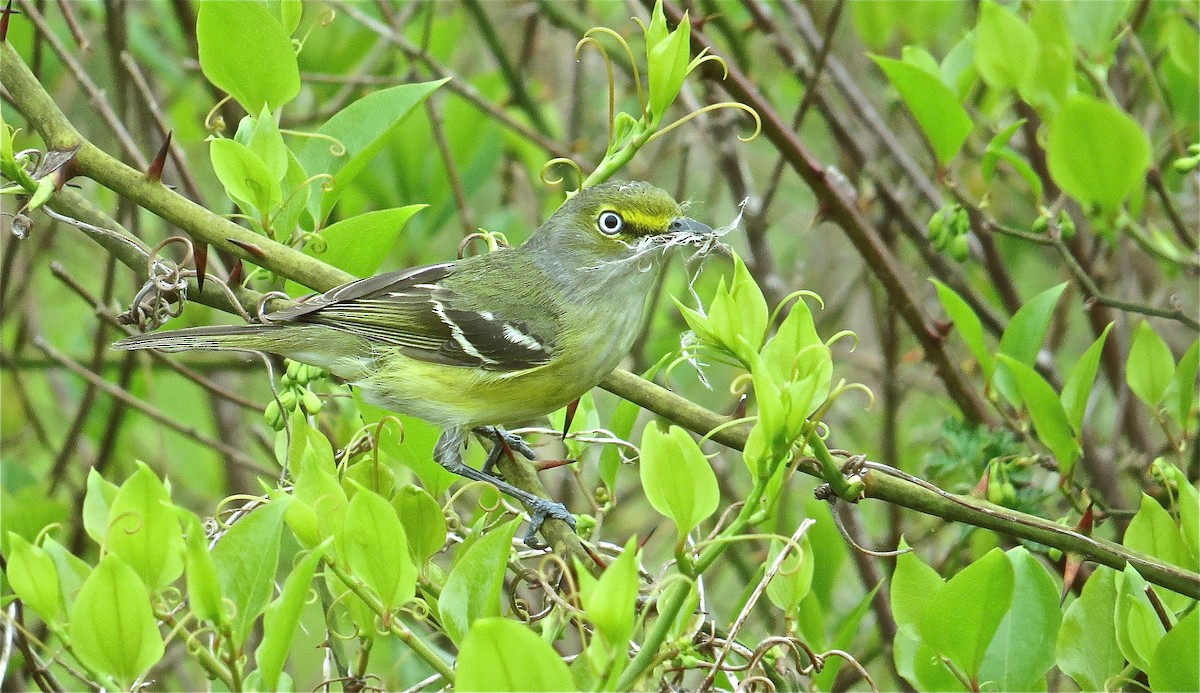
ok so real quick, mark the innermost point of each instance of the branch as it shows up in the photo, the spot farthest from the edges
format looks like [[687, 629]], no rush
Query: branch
[[916, 494]]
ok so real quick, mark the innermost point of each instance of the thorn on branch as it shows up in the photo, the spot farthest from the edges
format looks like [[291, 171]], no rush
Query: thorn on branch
[[248, 247], [200, 248], [543, 465], [569, 417], [154, 172], [237, 274], [7, 12]]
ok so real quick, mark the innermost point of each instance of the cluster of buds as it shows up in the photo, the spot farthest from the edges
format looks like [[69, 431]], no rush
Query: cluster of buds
[[294, 393], [948, 229]]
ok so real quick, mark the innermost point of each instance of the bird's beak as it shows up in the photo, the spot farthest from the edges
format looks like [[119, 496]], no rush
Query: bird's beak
[[683, 226]]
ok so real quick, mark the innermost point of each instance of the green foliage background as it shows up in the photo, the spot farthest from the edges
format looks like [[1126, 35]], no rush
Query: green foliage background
[[1037, 161]]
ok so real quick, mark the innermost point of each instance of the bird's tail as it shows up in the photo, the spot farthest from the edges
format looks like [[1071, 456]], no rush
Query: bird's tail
[[241, 337]]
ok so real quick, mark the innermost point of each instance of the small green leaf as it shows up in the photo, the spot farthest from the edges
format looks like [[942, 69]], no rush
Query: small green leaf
[[33, 577], [1046, 412], [934, 106], [1174, 665], [144, 530], [1078, 387], [656, 31], [96, 503], [963, 616], [290, 12], [611, 604], [203, 586], [738, 315], [112, 626], [282, 618], [678, 480], [968, 324], [1022, 650], [914, 584], [1097, 153], [360, 244], [1153, 531], [794, 579], [424, 523], [244, 176], [267, 143], [1023, 337], [1006, 49], [1054, 76], [361, 129], [1093, 25], [1138, 628], [1087, 649], [71, 570], [268, 75], [320, 501], [667, 68], [1150, 367], [503, 655], [376, 549], [476, 583], [1182, 393], [246, 559]]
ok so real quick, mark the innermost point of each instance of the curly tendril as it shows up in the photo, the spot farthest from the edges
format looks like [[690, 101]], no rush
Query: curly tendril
[[545, 173], [713, 107], [336, 147], [612, 85], [637, 77], [210, 120]]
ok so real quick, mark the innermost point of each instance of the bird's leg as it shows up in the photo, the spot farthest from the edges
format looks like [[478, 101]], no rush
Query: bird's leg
[[503, 443], [448, 453]]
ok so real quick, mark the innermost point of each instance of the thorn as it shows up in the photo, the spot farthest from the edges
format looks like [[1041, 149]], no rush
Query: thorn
[[154, 173], [939, 329], [200, 254], [7, 12], [642, 543], [739, 412], [237, 274], [569, 418], [596, 558], [543, 465], [981, 488], [248, 247]]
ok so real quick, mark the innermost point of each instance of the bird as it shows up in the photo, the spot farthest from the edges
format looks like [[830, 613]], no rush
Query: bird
[[490, 340]]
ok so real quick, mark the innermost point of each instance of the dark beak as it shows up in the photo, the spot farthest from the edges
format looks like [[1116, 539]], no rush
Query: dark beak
[[683, 225]]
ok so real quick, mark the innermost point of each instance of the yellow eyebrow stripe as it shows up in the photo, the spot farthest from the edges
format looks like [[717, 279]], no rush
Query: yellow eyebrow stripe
[[647, 223]]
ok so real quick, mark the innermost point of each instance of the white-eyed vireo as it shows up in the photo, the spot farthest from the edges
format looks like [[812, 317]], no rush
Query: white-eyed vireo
[[488, 340]]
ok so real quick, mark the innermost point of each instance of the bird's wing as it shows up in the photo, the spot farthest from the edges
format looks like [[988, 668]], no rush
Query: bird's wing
[[413, 309]]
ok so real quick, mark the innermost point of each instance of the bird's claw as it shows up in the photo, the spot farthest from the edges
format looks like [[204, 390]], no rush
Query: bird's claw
[[540, 511]]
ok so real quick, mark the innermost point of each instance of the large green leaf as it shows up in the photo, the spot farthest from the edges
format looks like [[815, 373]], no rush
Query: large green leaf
[[246, 558], [1022, 650], [611, 603], [1174, 666], [1150, 367], [503, 655], [246, 52], [361, 243], [361, 130], [1078, 386], [968, 324], [936, 109], [281, 620], [476, 582], [963, 616], [1046, 411], [678, 480], [376, 549], [1097, 153], [113, 630], [1087, 649], [1023, 337], [1006, 49], [144, 530], [1139, 629]]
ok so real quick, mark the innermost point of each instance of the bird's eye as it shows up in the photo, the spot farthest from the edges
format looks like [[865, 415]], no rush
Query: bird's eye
[[610, 223]]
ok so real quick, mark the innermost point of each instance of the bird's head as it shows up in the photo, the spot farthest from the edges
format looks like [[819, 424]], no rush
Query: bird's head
[[618, 223]]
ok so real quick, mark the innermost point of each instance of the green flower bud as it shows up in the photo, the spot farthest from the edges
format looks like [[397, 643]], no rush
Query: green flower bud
[[287, 399], [309, 402], [273, 416], [1040, 225], [959, 248], [1066, 226]]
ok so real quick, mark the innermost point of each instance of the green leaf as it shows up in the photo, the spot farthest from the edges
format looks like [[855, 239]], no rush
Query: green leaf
[[913, 586], [1187, 503], [476, 583], [958, 67], [281, 620], [998, 150], [290, 12], [244, 176], [96, 503], [963, 616], [1153, 531], [1006, 49], [247, 53], [968, 324], [611, 604], [320, 501], [1182, 392], [267, 143], [33, 577], [1023, 337], [1087, 649], [423, 520], [738, 315], [361, 129], [1046, 412], [203, 585], [1022, 650], [794, 579], [1174, 665], [1150, 367], [360, 244], [112, 626], [1054, 77], [667, 67], [1093, 23], [1078, 387], [656, 31], [678, 480], [71, 570], [1138, 628], [246, 558], [144, 530], [503, 655], [935, 107], [1097, 153], [376, 549]]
